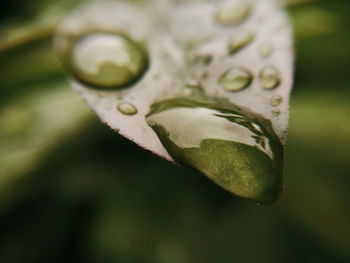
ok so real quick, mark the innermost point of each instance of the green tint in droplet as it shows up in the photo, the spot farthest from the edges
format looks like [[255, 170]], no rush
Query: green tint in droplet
[[266, 49], [236, 149], [203, 59], [127, 109], [232, 12], [236, 79], [276, 113], [107, 60], [276, 100], [269, 77], [239, 41]]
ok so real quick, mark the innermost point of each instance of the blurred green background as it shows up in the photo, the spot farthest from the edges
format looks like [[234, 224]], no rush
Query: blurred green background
[[71, 190]]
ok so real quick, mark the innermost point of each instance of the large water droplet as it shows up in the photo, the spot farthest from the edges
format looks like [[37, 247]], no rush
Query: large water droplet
[[107, 60], [232, 12], [236, 79], [269, 77], [235, 148], [127, 109], [239, 41]]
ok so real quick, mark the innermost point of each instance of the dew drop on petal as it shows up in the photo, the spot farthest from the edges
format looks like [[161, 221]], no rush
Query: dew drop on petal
[[276, 100], [269, 77], [203, 59], [236, 79], [266, 49], [276, 113], [239, 41], [127, 109], [232, 12]]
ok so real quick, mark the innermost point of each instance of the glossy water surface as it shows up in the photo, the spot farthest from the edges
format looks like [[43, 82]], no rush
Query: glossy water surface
[[235, 148]]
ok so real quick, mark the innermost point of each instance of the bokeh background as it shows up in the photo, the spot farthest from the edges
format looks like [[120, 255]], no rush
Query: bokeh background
[[71, 190]]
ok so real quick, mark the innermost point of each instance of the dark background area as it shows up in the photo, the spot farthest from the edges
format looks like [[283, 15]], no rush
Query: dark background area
[[72, 190]]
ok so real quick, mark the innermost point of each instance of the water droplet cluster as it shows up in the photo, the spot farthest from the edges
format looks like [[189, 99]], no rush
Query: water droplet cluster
[[238, 78], [232, 49], [191, 79], [112, 60]]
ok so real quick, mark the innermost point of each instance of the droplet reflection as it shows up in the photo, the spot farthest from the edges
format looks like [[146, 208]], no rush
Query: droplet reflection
[[269, 77], [127, 109], [107, 60], [232, 12], [236, 79]]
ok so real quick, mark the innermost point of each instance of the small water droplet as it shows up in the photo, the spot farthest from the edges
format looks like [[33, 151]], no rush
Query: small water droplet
[[127, 109], [203, 59], [198, 41], [193, 83], [236, 79], [239, 41], [107, 60], [266, 49], [276, 100], [269, 77], [276, 113], [232, 12]]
